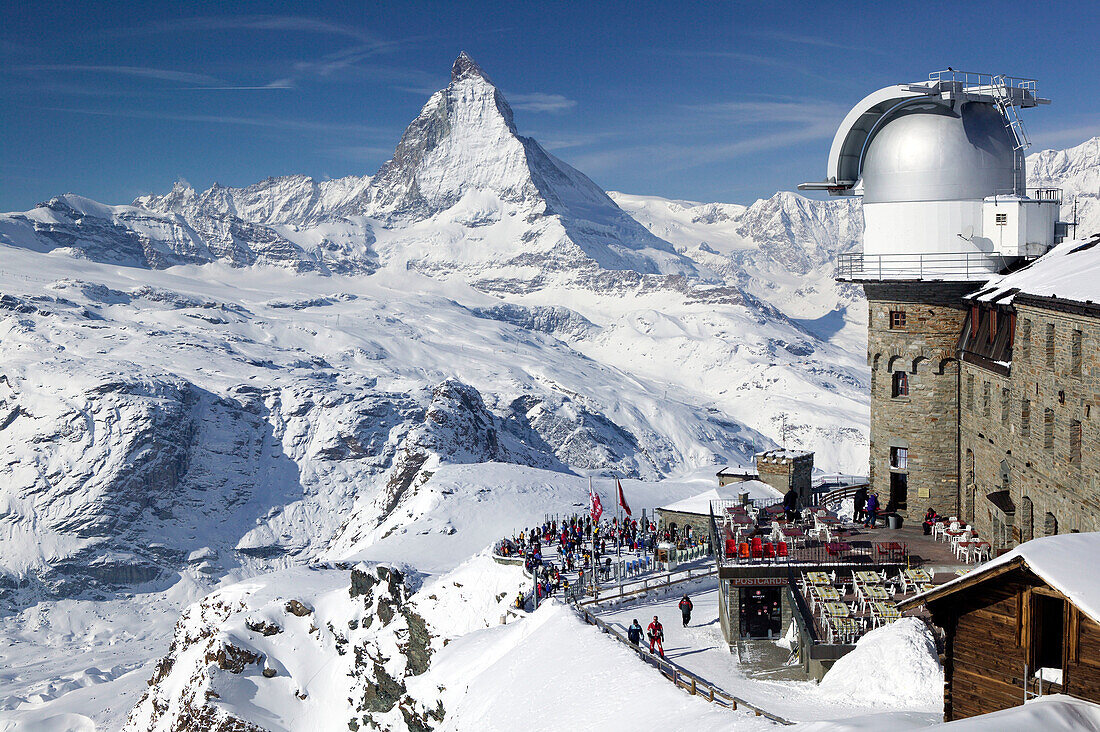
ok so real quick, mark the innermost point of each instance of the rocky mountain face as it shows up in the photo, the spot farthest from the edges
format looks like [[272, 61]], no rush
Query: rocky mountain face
[[1077, 172], [195, 419], [158, 421]]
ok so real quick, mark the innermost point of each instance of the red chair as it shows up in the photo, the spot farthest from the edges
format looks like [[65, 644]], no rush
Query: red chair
[[783, 550], [731, 547], [769, 551], [743, 550], [757, 547]]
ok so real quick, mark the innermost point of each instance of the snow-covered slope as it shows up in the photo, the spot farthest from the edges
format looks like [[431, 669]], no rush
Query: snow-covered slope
[[186, 410], [1077, 172], [781, 250]]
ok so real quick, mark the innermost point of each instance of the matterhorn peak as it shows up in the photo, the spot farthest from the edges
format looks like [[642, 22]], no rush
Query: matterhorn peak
[[465, 67]]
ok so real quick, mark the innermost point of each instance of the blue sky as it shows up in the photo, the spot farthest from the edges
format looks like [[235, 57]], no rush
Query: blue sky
[[706, 101]]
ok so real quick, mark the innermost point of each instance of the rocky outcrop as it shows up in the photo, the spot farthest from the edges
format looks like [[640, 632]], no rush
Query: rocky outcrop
[[380, 641]]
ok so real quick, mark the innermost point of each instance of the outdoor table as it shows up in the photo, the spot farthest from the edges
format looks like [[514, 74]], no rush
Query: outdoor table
[[918, 576], [836, 547], [872, 593], [843, 628], [925, 587], [775, 509], [818, 578], [884, 612], [792, 532], [827, 592], [869, 578], [836, 609], [875, 592]]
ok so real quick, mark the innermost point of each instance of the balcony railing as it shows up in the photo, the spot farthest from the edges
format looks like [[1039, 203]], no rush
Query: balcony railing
[[936, 266]]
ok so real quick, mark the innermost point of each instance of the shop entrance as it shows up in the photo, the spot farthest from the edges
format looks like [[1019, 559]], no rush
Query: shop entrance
[[761, 614]]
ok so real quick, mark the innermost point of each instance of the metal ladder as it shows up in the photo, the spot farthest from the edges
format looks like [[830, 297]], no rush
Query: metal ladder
[[1011, 115], [1015, 125]]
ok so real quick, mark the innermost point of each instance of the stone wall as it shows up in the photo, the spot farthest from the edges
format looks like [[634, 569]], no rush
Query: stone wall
[[783, 470], [925, 422], [985, 452], [1053, 486], [700, 523]]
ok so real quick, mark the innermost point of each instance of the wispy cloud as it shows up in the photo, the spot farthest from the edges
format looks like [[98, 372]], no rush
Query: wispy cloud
[[284, 23], [755, 126], [540, 102], [1064, 137], [811, 41], [201, 82], [145, 72], [281, 123]]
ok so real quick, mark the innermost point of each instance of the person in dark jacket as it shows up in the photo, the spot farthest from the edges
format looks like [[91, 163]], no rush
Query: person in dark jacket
[[871, 510], [634, 632], [860, 499], [790, 504], [685, 609]]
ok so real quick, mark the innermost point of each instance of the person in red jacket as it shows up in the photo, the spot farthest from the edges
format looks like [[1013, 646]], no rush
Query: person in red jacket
[[685, 609], [656, 633]]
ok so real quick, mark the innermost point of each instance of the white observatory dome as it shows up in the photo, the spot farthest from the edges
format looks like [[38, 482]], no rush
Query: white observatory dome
[[930, 152]]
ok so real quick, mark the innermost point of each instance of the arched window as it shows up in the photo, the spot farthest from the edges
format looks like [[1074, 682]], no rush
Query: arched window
[[1027, 519], [900, 384], [1050, 524]]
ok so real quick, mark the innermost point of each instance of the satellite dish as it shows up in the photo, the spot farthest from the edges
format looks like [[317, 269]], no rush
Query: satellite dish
[[967, 232]]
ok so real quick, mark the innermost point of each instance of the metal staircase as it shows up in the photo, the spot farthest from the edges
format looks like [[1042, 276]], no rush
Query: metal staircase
[[1012, 116]]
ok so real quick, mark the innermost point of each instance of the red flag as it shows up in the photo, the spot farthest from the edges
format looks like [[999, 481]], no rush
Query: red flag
[[597, 507], [622, 498]]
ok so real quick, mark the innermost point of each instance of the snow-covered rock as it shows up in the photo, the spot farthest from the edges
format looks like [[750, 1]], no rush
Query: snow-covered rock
[[1076, 171]]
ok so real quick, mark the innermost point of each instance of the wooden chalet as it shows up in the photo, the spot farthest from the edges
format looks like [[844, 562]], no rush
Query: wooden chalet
[[1023, 625]]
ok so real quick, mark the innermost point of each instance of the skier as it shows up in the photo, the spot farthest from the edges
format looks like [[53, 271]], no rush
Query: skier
[[634, 632], [685, 609], [656, 633]]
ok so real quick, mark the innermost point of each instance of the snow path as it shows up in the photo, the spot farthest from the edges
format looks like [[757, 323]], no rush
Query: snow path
[[701, 649]]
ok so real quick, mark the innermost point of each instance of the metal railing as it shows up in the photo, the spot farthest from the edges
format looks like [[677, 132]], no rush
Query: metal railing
[[1033, 192], [975, 80], [958, 266], [815, 553]]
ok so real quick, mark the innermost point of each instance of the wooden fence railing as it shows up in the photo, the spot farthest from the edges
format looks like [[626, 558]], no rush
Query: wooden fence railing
[[680, 676]]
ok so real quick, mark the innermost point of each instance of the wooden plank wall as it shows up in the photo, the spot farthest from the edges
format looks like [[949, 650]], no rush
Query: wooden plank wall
[[986, 652], [1083, 671], [989, 640]]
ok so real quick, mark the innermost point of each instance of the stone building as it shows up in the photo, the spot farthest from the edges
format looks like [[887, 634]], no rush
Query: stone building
[[983, 397], [1029, 455], [786, 469], [913, 328]]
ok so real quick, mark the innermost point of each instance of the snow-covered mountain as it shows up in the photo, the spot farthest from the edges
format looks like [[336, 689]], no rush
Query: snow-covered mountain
[[1077, 172], [269, 376], [781, 250], [203, 387]]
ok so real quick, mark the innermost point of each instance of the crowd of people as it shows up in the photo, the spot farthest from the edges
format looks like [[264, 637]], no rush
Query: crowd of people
[[583, 547], [578, 538]]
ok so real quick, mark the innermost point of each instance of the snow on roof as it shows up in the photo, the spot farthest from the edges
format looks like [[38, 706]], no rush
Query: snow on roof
[[783, 454], [1054, 559], [1069, 271], [700, 504], [736, 470], [1053, 713]]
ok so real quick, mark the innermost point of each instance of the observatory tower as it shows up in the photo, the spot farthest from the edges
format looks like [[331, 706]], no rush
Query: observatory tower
[[940, 167]]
